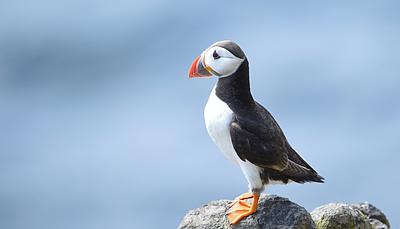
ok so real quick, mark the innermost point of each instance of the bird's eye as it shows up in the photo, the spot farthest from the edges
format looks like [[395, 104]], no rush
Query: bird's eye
[[215, 55]]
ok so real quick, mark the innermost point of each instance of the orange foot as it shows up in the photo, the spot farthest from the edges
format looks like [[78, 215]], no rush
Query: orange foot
[[240, 209]]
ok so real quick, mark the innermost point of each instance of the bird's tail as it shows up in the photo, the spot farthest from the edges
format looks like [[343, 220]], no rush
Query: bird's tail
[[309, 178], [301, 174]]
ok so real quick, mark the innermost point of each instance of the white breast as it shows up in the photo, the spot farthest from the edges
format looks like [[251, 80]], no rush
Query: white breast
[[218, 117]]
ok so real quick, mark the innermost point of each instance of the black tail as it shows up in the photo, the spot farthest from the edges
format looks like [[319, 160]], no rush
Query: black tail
[[308, 178], [286, 176], [300, 173], [303, 172]]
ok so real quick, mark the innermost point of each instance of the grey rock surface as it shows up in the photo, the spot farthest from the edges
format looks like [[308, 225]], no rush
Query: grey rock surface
[[339, 216], [273, 212], [375, 216]]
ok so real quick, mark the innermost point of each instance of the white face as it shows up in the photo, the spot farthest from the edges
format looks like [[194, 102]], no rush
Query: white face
[[221, 62]]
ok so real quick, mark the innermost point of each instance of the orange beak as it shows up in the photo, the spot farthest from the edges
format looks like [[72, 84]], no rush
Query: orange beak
[[198, 69]]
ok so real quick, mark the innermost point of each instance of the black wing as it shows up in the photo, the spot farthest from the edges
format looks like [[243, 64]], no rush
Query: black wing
[[262, 152], [260, 140]]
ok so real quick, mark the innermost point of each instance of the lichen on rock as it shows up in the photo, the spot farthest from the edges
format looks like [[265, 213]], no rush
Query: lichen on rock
[[339, 216], [344, 216], [375, 216]]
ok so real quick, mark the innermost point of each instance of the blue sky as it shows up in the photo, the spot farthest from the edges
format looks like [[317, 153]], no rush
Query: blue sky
[[100, 126]]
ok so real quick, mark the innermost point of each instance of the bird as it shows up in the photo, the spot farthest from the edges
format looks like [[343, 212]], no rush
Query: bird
[[244, 130]]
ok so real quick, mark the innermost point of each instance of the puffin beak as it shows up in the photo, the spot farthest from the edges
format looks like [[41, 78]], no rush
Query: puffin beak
[[198, 69]]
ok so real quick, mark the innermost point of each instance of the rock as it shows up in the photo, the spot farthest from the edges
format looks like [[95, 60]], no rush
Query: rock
[[375, 216], [280, 213], [273, 212], [342, 216]]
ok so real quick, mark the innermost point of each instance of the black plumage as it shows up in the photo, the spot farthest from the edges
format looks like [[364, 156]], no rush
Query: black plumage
[[255, 134]]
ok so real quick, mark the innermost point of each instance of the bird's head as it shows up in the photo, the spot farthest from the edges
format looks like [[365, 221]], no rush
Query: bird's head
[[221, 59]]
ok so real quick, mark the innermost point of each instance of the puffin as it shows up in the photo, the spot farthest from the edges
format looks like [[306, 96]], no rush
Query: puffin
[[244, 130]]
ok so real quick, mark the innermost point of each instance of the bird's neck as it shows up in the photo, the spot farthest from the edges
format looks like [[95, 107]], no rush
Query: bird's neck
[[235, 89]]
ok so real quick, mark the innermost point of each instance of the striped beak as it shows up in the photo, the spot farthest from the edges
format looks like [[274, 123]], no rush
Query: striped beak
[[198, 69]]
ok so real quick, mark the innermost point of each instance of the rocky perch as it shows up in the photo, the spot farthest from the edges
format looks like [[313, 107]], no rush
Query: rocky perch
[[280, 213]]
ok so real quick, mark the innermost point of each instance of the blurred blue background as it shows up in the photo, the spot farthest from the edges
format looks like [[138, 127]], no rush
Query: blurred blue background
[[100, 126]]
